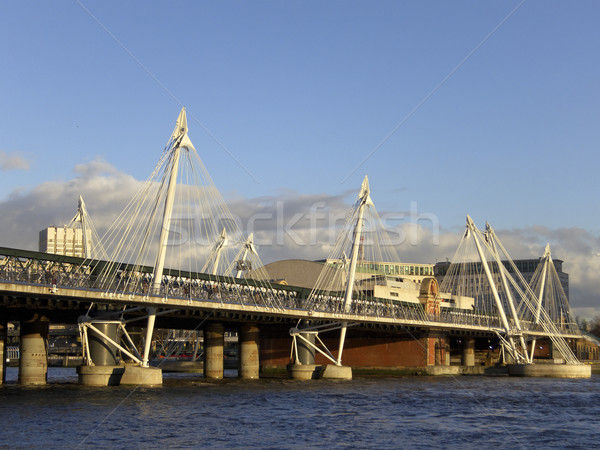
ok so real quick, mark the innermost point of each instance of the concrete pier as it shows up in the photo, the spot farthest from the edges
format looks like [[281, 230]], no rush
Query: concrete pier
[[141, 376], [127, 374], [468, 353], [100, 375], [305, 368], [2, 353], [306, 353], [249, 365], [214, 341], [102, 352], [435, 346], [335, 372], [105, 370], [304, 371], [550, 370], [33, 361]]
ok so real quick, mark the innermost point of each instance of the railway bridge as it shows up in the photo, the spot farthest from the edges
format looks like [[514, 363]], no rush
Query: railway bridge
[[143, 274]]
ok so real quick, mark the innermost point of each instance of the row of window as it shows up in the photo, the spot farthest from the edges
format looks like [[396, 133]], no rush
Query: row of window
[[395, 269]]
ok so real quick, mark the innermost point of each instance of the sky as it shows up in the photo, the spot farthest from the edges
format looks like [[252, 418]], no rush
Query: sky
[[451, 108]]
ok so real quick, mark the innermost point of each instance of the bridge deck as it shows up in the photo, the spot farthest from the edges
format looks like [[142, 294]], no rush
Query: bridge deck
[[33, 275], [83, 295]]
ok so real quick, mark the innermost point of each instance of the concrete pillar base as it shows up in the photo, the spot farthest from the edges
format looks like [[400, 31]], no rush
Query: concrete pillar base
[[249, 365], [100, 375], [306, 352], [304, 371], [33, 361], [102, 352], [468, 356], [332, 371], [142, 376], [117, 375], [214, 341], [550, 370], [444, 370]]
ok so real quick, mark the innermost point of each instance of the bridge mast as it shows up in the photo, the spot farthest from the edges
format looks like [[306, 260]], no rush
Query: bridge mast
[[179, 139], [492, 240], [538, 310], [215, 255], [364, 200], [82, 217], [248, 247], [471, 230]]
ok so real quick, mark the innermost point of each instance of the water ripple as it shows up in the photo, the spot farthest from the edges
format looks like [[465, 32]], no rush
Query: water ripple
[[413, 412]]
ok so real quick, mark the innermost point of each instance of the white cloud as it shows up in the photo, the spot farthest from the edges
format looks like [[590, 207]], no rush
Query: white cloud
[[25, 212], [13, 161], [293, 225]]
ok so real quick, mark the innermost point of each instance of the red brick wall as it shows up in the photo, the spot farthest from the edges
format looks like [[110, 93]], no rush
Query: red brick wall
[[362, 349]]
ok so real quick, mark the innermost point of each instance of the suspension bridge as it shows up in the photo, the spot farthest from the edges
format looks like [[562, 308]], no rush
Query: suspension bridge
[[176, 255]]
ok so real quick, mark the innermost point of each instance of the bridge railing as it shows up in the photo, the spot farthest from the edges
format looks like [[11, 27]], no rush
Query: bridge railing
[[58, 271], [57, 276], [403, 311]]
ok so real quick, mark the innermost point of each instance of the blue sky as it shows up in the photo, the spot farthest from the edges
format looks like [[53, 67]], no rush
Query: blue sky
[[486, 108], [301, 92]]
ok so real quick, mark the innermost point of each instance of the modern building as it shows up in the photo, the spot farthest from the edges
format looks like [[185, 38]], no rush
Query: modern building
[[74, 239], [65, 241], [304, 273], [415, 272], [527, 268]]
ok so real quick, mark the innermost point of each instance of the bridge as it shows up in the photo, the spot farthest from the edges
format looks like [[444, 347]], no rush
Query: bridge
[[215, 276]]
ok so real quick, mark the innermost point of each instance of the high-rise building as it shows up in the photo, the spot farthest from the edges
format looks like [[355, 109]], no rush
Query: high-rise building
[[65, 241], [527, 268], [74, 239]]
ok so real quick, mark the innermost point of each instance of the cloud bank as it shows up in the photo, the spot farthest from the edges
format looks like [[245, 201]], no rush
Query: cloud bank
[[294, 225]]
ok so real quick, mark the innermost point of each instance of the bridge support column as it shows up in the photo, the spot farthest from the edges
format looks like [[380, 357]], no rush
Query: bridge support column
[[33, 361], [102, 352], [436, 349], [468, 354], [438, 353], [214, 341], [306, 353], [105, 370], [249, 364], [305, 368], [430, 344], [2, 353]]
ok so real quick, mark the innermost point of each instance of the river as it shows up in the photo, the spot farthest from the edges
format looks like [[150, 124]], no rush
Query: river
[[387, 412]]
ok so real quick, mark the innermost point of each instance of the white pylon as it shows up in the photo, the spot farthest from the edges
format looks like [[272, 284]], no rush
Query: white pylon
[[179, 140], [215, 254], [248, 248], [364, 199], [500, 308], [546, 258]]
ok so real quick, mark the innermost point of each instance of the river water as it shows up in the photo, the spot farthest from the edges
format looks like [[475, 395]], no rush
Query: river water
[[389, 412]]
